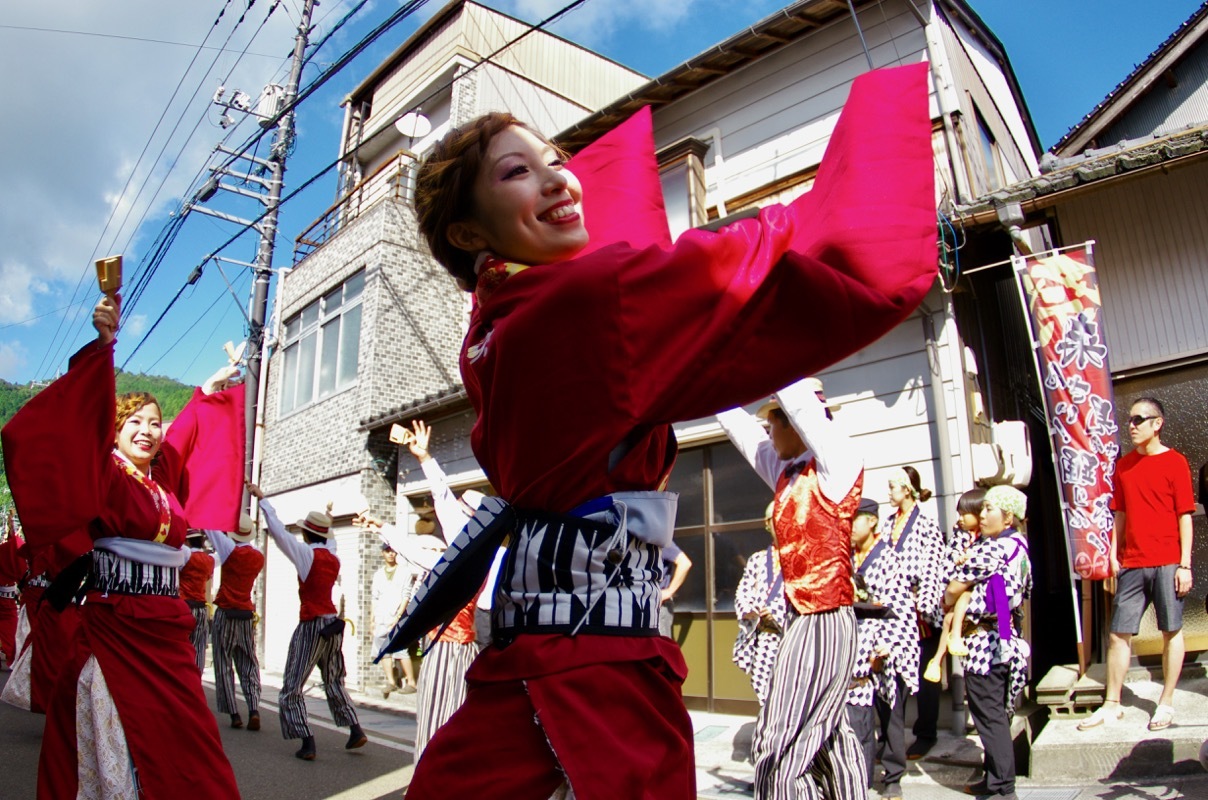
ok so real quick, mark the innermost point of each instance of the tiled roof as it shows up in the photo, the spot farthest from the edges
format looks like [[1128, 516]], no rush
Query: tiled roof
[[1094, 166], [448, 398]]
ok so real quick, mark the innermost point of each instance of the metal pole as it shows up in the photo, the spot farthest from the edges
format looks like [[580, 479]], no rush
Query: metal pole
[[264, 256]]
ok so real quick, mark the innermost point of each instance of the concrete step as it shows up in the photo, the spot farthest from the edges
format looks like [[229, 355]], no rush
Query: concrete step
[[1126, 749]]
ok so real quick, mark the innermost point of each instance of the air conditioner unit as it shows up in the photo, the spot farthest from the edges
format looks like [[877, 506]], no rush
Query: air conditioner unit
[[1006, 460]]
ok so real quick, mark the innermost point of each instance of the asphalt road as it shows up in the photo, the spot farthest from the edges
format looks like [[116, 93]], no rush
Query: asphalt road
[[264, 763]]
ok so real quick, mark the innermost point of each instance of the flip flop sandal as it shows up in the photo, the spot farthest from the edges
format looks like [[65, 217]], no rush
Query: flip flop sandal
[[1163, 717]]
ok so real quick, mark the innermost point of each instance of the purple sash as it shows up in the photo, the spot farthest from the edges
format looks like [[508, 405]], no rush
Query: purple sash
[[996, 595]]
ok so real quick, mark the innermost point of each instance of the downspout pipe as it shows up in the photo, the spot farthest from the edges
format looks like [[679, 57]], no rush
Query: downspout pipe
[[945, 481]]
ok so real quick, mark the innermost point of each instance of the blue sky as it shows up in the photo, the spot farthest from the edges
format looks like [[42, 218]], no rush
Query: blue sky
[[97, 93]]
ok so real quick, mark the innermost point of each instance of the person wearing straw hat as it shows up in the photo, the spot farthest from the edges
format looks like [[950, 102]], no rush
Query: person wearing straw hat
[[195, 578], [804, 745], [234, 625], [998, 574], [319, 637]]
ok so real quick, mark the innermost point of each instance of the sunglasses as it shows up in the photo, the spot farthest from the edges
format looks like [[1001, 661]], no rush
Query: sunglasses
[[1137, 420]]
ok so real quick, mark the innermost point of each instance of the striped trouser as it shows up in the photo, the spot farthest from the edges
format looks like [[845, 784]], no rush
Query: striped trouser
[[803, 745], [307, 649], [441, 689], [235, 648], [201, 634]]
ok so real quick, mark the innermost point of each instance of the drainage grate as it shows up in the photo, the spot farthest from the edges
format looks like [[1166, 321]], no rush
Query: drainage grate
[[1048, 794]]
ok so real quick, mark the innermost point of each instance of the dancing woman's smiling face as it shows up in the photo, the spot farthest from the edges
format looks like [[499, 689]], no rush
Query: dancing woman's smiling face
[[527, 205], [139, 437]]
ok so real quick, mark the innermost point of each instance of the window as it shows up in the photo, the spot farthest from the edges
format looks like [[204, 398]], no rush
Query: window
[[719, 523], [321, 346], [682, 175], [991, 171]]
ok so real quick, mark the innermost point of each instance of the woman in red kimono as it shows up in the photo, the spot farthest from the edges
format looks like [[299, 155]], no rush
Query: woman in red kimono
[[12, 570], [581, 353], [112, 514], [48, 644]]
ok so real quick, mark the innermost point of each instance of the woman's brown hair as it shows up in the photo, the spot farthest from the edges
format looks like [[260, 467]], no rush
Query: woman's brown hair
[[129, 403], [444, 188]]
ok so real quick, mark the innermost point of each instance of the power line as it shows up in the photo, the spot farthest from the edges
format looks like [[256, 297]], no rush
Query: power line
[[127, 38], [133, 170], [147, 268], [185, 332], [154, 266], [38, 317], [364, 43]]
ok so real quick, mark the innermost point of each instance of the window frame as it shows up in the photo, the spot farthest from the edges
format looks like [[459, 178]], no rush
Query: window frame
[[324, 312]]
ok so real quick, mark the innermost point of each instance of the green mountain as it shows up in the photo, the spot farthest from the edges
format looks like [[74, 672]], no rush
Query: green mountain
[[171, 394]]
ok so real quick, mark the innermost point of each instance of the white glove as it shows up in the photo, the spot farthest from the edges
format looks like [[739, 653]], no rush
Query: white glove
[[220, 380]]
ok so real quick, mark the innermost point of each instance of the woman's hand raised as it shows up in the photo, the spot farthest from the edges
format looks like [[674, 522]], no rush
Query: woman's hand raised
[[105, 317]]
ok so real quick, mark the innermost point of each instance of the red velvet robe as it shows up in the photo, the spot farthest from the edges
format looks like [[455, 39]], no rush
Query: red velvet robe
[[565, 361], [140, 642]]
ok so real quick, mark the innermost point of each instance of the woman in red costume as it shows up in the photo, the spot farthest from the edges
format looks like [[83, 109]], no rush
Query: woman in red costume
[[112, 516], [581, 353], [12, 570]]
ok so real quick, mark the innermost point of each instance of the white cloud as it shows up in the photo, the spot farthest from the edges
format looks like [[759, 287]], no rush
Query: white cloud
[[12, 358], [16, 302], [96, 79], [596, 22], [134, 325]]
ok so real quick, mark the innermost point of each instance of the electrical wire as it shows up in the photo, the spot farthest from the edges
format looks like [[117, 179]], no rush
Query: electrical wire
[[315, 48], [336, 66], [146, 270], [98, 35], [176, 158], [149, 266], [133, 171], [186, 332]]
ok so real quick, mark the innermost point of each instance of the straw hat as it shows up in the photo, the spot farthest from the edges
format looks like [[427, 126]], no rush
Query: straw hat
[[247, 528], [318, 523], [812, 383]]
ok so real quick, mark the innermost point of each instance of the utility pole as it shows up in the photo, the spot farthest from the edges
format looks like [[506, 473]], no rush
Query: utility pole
[[264, 256], [270, 180]]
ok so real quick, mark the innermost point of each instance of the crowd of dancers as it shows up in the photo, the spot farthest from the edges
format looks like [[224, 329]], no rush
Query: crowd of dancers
[[591, 333]]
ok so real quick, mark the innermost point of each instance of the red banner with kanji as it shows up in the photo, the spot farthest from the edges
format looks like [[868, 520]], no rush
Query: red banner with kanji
[[1066, 319]]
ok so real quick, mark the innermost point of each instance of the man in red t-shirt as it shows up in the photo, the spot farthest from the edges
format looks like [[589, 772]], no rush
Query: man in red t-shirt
[[1150, 555]]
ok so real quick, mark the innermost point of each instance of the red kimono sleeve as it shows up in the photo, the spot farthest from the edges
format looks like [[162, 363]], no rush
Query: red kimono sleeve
[[57, 453], [734, 315], [201, 459]]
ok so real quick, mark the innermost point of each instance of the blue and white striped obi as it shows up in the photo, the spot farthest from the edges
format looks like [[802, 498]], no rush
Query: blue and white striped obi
[[598, 571], [595, 570]]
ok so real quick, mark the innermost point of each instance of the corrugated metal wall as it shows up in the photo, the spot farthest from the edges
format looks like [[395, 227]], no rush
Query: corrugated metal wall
[[1166, 109], [1152, 258]]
